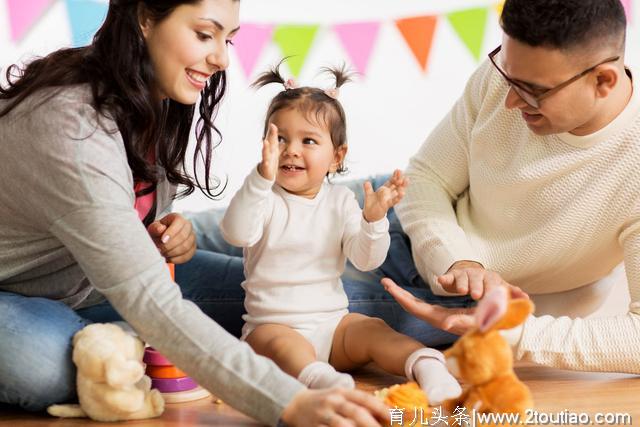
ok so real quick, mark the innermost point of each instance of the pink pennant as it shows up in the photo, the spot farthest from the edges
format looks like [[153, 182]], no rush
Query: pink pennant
[[249, 43], [23, 14], [627, 9], [358, 40]]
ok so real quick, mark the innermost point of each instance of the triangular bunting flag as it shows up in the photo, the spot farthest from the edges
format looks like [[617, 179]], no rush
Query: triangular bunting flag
[[249, 43], [85, 16], [628, 9], [470, 25], [23, 14], [295, 41], [499, 6], [418, 33], [358, 40]]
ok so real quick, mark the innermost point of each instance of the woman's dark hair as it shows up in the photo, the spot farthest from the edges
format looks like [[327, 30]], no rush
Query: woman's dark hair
[[565, 24], [313, 102], [117, 67]]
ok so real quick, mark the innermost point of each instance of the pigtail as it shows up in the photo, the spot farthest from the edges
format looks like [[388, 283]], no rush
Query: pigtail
[[341, 74], [270, 76]]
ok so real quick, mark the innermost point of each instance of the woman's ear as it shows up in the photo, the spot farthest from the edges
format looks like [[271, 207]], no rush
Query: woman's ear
[[144, 20], [339, 155]]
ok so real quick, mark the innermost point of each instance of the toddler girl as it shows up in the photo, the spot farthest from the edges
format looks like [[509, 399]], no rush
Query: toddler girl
[[297, 231]]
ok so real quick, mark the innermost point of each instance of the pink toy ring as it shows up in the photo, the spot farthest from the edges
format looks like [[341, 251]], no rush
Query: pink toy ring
[[173, 385], [154, 358]]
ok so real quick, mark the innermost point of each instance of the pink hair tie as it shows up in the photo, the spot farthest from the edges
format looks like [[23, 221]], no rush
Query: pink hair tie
[[332, 93], [290, 84]]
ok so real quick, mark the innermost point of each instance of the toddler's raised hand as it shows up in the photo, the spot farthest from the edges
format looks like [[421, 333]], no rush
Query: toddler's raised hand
[[268, 168], [376, 204]]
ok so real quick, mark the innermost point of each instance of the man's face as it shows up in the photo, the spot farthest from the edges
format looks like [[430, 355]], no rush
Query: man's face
[[571, 109]]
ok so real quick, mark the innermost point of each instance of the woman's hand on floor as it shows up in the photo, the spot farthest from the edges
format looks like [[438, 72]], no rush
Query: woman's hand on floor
[[335, 408], [174, 237]]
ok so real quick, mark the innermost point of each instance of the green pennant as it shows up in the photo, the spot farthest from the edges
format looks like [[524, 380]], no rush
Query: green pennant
[[470, 24], [295, 42]]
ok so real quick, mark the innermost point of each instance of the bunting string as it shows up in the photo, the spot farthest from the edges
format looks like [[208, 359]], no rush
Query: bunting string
[[295, 41]]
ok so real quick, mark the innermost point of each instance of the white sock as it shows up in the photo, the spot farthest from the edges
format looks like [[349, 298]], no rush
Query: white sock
[[427, 367], [322, 375]]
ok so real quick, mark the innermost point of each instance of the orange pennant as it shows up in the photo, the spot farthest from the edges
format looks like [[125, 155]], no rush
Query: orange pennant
[[418, 33]]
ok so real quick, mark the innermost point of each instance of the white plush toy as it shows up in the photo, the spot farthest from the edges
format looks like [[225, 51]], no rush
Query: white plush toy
[[111, 381]]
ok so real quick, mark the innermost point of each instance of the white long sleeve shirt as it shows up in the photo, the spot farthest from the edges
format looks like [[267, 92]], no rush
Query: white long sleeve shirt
[[295, 249], [551, 214]]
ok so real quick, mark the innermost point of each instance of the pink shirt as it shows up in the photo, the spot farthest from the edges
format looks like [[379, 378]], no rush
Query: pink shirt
[[143, 204]]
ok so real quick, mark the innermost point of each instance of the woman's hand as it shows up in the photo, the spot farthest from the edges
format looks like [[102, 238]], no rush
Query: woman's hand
[[174, 237], [376, 204], [268, 168], [335, 408]]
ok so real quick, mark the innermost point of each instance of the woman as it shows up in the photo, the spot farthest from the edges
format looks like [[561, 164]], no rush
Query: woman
[[93, 140]]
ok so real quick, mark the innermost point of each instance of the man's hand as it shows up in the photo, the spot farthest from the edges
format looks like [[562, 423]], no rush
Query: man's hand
[[454, 320], [469, 277], [268, 168], [174, 237], [376, 204]]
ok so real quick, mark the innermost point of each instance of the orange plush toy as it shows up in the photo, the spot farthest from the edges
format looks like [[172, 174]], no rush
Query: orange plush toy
[[483, 359]]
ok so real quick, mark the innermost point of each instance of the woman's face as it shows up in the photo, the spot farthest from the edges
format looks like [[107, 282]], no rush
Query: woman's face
[[189, 46]]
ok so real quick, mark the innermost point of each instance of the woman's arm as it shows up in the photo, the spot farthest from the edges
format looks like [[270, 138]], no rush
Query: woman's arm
[[85, 200]]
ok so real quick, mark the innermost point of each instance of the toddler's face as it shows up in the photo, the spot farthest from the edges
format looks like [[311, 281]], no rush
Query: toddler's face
[[306, 153]]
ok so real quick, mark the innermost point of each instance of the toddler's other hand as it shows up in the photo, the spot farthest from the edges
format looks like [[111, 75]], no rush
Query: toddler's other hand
[[268, 168], [376, 204]]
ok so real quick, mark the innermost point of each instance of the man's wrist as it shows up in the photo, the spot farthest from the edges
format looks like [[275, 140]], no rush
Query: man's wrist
[[465, 264]]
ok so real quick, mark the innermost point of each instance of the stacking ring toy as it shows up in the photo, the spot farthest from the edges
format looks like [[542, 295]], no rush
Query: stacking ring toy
[[186, 396], [154, 358], [164, 372], [173, 385]]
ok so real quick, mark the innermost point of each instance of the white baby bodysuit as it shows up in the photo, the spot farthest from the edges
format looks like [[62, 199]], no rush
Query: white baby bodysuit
[[295, 250]]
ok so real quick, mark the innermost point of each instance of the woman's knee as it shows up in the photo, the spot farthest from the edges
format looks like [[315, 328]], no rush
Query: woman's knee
[[35, 361]]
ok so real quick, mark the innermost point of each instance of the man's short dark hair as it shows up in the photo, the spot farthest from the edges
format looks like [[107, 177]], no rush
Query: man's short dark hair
[[565, 24]]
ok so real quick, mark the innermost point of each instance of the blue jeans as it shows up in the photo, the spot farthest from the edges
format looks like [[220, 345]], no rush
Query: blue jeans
[[35, 351], [217, 268], [36, 369]]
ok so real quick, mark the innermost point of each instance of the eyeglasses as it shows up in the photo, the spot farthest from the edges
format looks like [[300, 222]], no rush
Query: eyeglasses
[[533, 98]]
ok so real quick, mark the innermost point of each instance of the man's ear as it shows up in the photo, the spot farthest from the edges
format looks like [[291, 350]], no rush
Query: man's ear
[[606, 79], [144, 20], [339, 155]]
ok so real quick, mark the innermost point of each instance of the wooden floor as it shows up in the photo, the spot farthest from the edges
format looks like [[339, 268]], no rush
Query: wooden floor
[[554, 392]]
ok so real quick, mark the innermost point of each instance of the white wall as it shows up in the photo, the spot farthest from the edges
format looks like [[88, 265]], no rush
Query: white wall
[[389, 111]]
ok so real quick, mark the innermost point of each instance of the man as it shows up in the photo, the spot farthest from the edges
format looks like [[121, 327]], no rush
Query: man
[[532, 180]]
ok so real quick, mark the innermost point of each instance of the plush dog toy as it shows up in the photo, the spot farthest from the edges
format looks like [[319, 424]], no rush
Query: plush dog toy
[[483, 359], [111, 382]]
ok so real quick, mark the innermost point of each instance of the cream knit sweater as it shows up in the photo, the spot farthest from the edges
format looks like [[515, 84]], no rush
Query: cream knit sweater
[[552, 214]]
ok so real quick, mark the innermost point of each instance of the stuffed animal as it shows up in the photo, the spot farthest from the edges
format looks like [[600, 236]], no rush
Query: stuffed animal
[[110, 381], [483, 359], [410, 399]]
